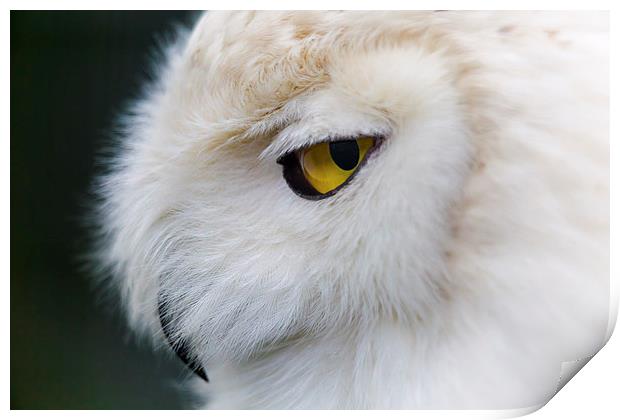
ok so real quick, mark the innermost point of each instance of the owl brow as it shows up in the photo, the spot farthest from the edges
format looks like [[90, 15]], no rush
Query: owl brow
[[266, 124]]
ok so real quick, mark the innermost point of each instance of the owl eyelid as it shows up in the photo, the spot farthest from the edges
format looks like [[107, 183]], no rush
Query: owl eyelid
[[378, 138]]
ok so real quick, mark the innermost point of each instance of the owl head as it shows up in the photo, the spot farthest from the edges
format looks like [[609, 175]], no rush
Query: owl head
[[299, 175]]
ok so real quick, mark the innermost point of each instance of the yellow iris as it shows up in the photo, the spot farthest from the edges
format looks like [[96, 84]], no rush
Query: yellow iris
[[326, 166]]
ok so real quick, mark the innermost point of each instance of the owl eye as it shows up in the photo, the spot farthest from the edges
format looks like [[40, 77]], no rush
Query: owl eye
[[322, 169]]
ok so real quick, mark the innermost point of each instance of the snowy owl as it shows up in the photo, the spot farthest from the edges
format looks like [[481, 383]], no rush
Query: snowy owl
[[368, 209]]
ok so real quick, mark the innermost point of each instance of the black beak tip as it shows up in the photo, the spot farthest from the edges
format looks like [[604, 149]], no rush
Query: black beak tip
[[181, 350]]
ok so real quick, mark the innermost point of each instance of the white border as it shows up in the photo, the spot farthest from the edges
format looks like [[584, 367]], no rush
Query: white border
[[312, 5], [593, 393]]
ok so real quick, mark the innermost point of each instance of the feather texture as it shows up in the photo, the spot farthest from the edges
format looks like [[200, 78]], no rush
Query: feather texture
[[464, 263]]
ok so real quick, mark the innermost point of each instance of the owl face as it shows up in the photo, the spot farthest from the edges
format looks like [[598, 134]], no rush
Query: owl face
[[289, 182]]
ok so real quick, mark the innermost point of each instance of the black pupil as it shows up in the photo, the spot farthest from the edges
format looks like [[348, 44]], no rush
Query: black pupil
[[345, 154]]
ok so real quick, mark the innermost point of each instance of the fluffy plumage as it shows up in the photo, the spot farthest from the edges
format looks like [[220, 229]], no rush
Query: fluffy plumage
[[465, 262]]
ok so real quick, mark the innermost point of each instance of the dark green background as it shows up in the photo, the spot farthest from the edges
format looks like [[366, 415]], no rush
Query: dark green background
[[71, 74]]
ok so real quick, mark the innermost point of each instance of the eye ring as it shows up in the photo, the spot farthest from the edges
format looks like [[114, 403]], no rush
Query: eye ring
[[296, 179]]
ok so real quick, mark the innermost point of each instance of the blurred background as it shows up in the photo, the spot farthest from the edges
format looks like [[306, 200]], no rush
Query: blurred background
[[72, 73]]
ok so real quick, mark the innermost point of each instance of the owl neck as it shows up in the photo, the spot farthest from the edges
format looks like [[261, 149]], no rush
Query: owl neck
[[375, 368]]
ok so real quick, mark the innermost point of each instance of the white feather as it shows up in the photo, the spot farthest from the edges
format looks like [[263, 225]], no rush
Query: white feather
[[465, 262]]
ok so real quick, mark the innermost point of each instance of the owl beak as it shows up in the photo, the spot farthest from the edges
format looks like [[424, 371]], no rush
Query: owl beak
[[181, 349]]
